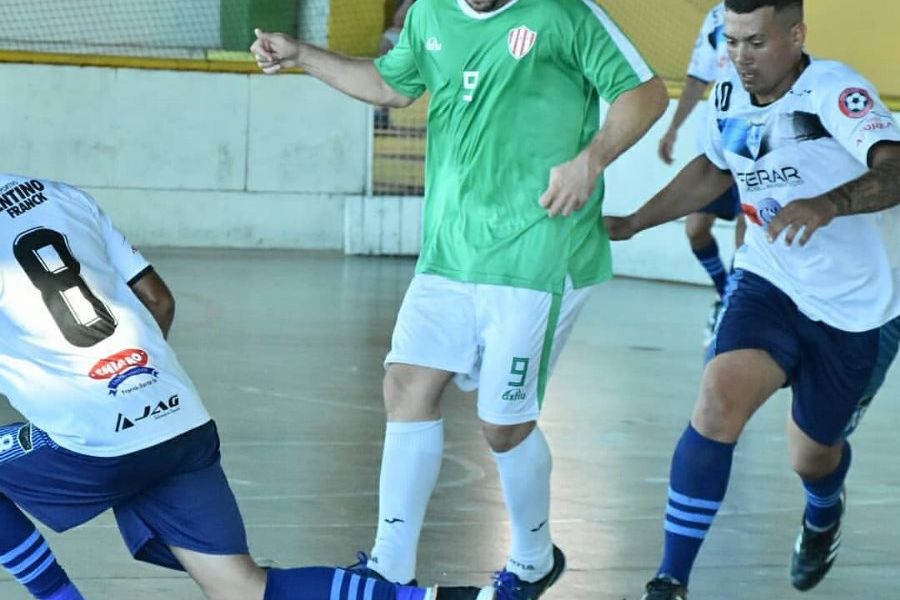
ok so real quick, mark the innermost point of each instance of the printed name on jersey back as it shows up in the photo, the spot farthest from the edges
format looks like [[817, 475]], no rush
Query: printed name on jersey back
[[17, 198]]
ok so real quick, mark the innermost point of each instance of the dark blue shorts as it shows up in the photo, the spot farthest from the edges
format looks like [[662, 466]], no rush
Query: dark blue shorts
[[172, 494], [727, 206], [834, 374]]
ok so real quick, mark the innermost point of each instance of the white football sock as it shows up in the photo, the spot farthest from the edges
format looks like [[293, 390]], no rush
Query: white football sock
[[410, 464], [525, 476]]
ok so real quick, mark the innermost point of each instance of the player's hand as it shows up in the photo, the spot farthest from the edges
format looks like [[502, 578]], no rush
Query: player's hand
[[571, 186], [274, 51], [809, 215], [620, 229], [667, 146]]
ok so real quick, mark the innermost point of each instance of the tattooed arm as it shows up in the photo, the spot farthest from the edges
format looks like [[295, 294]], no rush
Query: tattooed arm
[[877, 190]]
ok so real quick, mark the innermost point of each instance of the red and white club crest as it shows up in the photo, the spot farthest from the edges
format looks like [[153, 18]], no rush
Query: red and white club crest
[[521, 41]]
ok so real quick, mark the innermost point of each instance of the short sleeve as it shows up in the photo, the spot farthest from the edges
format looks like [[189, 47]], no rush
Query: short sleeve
[[705, 58], [606, 57], [128, 262], [399, 67], [854, 114]]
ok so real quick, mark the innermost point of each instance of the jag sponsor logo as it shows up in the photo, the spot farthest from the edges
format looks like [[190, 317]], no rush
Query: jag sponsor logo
[[158, 411], [122, 366]]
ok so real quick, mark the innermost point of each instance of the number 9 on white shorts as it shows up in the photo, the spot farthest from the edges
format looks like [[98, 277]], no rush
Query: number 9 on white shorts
[[501, 340]]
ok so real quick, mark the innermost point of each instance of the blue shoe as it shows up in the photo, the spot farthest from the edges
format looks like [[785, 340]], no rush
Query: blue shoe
[[508, 586], [362, 569]]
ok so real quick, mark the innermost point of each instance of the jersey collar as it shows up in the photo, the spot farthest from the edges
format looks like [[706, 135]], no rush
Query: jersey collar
[[464, 6]]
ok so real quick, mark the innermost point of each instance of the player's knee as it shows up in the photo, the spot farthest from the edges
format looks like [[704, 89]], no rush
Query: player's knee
[[503, 438], [699, 234], [721, 412], [406, 398], [812, 461]]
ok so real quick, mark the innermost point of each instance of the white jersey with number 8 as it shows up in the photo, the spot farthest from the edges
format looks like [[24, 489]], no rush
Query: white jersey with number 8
[[80, 355]]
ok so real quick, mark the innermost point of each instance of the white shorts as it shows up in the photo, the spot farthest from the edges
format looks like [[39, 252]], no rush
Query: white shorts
[[501, 340]]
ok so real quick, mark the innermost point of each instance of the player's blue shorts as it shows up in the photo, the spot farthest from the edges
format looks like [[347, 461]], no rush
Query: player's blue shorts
[[172, 494], [727, 206], [834, 374]]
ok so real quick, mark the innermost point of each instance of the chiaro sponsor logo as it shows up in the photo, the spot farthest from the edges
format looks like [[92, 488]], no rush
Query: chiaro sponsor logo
[[118, 363], [121, 366]]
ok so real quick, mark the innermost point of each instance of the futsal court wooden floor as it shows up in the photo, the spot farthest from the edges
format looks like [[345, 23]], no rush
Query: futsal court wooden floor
[[286, 349]]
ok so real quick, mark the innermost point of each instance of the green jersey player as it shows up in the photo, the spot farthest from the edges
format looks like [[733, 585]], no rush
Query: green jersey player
[[513, 238]]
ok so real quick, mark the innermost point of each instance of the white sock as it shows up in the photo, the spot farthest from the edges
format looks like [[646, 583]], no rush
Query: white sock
[[410, 465], [525, 475]]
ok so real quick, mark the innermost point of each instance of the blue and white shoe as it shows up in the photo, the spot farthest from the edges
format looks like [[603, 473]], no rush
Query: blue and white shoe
[[508, 586]]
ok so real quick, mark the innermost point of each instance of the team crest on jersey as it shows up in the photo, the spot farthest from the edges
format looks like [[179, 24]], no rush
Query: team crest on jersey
[[755, 138], [520, 41], [855, 103], [122, 366]]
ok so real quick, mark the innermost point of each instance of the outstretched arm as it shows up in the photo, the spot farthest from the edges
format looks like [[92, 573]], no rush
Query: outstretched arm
[[698, 184], [877, 190], [355, 77], [630, 116]]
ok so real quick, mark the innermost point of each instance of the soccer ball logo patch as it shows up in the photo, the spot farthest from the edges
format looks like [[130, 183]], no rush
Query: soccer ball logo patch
[[855, 103]]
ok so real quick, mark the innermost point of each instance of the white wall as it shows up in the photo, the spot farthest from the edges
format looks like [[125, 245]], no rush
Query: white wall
[[192, 159]]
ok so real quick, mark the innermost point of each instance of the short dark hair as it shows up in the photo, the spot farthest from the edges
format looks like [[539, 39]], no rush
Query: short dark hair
[[748, 6]]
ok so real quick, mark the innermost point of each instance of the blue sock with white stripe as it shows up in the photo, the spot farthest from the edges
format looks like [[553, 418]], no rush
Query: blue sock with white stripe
[[712, 262], [823, 496], [336, 584], [27, 557], [697, 484]]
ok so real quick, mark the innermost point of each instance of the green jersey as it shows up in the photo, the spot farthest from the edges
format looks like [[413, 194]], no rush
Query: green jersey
[[514, 93]]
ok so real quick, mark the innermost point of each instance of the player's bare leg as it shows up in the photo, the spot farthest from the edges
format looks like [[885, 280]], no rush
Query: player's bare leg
[[228, 577], [740, 230]]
